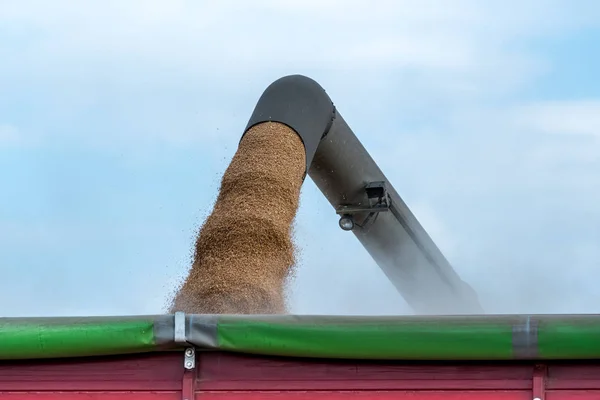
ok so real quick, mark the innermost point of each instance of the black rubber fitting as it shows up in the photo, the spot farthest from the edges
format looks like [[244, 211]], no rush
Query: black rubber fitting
[[300, 103]]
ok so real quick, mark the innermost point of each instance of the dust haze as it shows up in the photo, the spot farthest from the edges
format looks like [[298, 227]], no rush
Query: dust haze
[[522, 230]]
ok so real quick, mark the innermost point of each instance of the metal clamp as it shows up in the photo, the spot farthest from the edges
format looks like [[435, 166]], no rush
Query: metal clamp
[[378, 201], [179, 331], [189, 359]]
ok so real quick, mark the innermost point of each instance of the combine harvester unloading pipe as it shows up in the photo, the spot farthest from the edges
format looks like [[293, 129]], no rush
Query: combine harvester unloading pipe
[[366, 201]]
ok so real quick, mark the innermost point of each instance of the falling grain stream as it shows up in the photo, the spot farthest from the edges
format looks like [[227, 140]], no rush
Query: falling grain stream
[[244, 252]]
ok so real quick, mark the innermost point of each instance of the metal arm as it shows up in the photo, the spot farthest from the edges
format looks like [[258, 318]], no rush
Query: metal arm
[[369, 205]]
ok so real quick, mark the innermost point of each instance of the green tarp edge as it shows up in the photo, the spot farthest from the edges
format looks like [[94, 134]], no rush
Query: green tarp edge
[[571, 337], [24, 338], [496, 337], [394, 338], [503, 337]]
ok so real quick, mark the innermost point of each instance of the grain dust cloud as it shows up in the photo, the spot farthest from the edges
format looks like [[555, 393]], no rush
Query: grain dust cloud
[[244, 252]]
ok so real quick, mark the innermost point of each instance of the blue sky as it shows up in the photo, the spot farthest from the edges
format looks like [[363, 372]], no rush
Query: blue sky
[[117, 119]]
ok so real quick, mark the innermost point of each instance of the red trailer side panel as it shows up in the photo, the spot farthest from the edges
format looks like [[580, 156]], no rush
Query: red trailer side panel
[[230, 372], [219, 375], [99, 395], [378, 395], [156, 372]]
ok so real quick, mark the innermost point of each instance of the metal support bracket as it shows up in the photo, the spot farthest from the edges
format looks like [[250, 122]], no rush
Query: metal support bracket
[[379, 201], [540, 375], [188, 383], [189, 360]]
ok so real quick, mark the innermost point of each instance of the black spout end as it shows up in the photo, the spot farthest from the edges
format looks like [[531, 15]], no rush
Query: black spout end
[[300, 103]]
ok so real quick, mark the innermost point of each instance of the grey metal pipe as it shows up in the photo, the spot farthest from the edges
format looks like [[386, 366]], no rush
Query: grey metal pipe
[[341, 168]]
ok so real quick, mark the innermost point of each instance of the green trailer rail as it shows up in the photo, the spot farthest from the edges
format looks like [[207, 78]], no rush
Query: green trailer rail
[[501, 337]]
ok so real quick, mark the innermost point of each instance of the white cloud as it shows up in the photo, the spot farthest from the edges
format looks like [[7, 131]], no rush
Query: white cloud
[[199, 39], [172, 72]]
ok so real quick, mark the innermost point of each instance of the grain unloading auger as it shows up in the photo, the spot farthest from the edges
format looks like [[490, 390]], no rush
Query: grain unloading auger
[[366, 201]]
